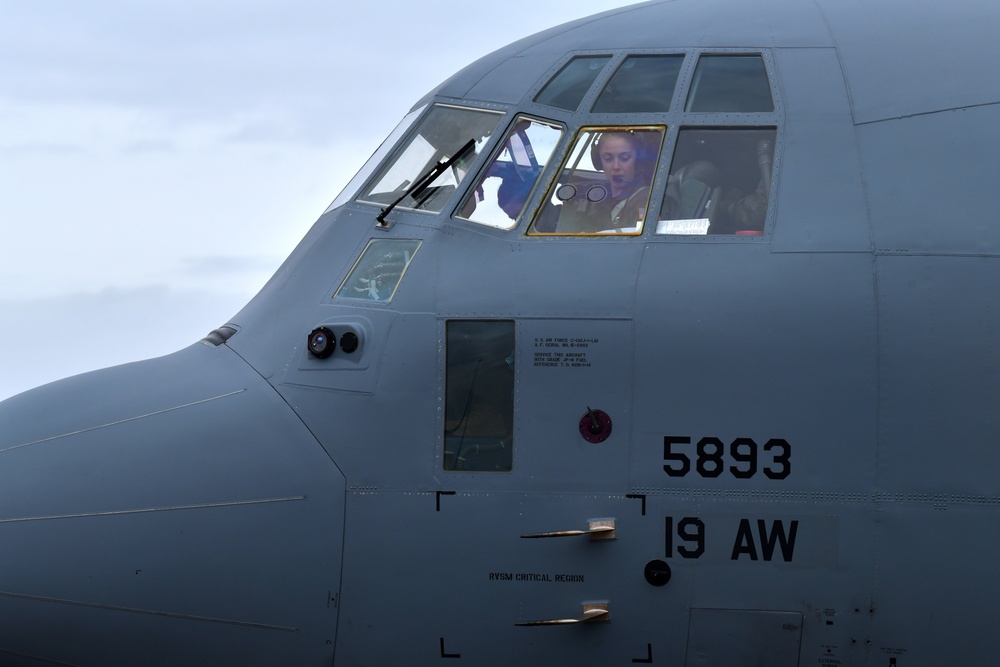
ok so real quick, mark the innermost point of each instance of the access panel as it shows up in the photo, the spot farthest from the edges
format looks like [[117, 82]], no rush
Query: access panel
[[728, 637]]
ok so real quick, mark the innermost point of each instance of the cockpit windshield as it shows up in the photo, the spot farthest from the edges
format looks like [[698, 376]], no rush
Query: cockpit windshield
[[604, 185], [440, 136], [720, 181], [502, 193]]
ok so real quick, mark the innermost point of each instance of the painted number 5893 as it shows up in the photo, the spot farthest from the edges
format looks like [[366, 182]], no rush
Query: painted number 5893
[[711, 457]]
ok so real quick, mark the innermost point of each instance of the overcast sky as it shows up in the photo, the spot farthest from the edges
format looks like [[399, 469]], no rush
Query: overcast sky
[[159, 160]]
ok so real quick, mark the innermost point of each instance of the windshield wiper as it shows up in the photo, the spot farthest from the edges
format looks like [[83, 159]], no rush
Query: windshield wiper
[[424, 181]]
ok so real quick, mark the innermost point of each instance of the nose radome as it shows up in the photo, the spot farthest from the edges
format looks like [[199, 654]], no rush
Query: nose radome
[[173, 511]]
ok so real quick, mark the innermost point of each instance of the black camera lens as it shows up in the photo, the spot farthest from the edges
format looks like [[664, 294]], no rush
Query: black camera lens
[[322, 343]]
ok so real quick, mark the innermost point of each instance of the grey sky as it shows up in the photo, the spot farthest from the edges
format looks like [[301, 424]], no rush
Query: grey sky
[[159, 160]]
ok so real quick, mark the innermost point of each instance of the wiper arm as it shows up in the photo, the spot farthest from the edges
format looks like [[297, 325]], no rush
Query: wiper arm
[[424, 181]]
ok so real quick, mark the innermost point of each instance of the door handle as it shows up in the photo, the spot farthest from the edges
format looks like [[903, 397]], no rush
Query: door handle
[[591, 612], [598, 529]]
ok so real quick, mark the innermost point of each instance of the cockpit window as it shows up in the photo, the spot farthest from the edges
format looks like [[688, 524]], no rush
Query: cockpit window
[[442, 134], [377, 272], [566, 89], [376, 159], [642, 84], [719, 183], [730, 84], [479, 395], [501, 195], [603, 186]]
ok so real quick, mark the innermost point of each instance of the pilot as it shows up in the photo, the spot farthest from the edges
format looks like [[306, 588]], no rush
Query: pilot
[[700, 190], [741, 212], [512, 194], [621, 203]]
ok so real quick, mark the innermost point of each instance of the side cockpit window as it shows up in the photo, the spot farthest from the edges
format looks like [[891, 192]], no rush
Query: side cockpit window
[[447, 133], [479, 395], [603, 187], [500, 196], [719, 183]]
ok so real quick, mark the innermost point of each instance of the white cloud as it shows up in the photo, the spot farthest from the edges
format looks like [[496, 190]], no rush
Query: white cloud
[[191, 144]]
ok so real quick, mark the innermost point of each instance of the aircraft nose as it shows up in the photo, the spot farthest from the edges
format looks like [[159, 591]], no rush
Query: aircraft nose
[[173, 511]]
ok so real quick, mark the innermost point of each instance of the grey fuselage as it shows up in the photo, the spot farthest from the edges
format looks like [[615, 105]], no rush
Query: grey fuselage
[[799, 458]]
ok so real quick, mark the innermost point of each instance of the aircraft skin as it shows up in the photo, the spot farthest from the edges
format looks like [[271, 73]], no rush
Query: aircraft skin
[[801, 462]]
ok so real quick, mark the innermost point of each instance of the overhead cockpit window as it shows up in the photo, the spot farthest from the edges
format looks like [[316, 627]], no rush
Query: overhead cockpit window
[[377, 272], [479, 395], [446, 133], [603, 186], [719, 183], [499, 198], [642, 84], [571, 83], [730, 84]]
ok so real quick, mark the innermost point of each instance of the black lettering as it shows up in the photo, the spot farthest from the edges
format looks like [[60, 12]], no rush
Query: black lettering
[[714, 458], [777, 536], [684, 531], [744, 542], [709, 458], [680, 458], [783, 459], [670, 536], [690, 529], [749, 457]]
